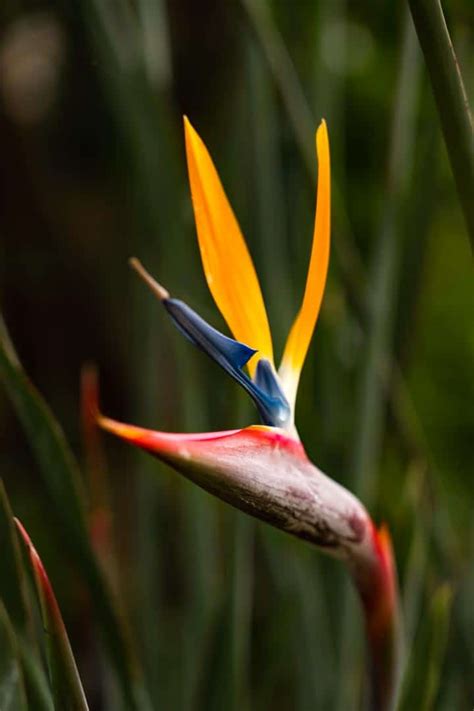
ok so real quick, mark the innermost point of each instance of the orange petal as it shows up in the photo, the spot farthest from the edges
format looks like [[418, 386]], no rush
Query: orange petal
[[228, 267], [303, 326]]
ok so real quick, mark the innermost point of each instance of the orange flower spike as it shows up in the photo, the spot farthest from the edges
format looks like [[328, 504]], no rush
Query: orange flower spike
[[302, 330], [228, 266]]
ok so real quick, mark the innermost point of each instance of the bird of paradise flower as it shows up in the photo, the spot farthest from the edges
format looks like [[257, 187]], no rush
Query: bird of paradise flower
[[263, 469]]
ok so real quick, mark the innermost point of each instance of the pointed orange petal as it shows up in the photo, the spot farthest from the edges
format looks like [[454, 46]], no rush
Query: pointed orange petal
[[303, 326], [228, 267]]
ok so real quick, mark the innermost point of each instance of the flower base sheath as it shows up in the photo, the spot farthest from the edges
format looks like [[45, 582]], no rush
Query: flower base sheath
[[263, 469]]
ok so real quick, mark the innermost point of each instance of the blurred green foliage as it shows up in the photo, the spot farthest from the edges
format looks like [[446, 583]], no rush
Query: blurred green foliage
[[224, 612]]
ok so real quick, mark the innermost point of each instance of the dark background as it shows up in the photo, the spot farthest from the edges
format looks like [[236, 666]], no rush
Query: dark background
[[224, 610]]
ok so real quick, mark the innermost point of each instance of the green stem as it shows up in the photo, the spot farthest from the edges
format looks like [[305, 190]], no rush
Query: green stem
[[450, 97], [242, 594], [383, 292]]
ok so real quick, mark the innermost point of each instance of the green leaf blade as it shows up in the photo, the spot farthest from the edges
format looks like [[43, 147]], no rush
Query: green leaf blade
[[61, 476], [67, 686], [13, 590], [12, 689]]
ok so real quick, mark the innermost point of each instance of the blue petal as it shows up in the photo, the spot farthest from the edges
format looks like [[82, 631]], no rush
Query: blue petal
[[222, 349], [232, 355], [266, 380]]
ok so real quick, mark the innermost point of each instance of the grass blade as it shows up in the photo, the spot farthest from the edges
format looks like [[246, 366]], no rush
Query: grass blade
[[12, 689], [304, 123], [62, 480], [14, 595], [45, 436], [242, 595], [67, 686], [450, 97], [423, 680], [383, 290], [13, 589], [37, 688]]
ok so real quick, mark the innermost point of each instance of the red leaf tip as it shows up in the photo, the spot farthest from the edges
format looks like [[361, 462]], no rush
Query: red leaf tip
[[381, 603], [39, 569]]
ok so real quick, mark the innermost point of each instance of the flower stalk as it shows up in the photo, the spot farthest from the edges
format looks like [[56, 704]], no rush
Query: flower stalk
[[450, 97]]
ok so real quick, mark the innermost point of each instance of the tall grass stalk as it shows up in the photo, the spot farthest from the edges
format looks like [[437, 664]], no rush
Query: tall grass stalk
[[450, 97], [383, 295]]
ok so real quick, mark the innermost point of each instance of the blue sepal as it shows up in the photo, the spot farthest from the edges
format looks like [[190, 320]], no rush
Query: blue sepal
[[224, 350], [232, 355], [266, 381]]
